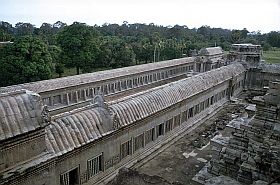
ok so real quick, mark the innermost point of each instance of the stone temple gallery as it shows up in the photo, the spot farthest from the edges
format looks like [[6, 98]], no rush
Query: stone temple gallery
[[83, 129]]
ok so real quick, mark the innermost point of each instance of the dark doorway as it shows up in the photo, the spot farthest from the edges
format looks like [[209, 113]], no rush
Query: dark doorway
[[74, 177]]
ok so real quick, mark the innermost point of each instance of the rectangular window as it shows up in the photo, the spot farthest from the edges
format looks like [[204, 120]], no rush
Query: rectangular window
[[112, 88], [95, 165], [201, 105], [64, 98], [170, 72], [72, 96], [91, 94], [154, 77], [118, 88], [123, 84], [168, 125], [196, 109], [105, 89], [130, 84], [141, 80], [126, 149], [80, 94], [215, 98], [207, 102], [146, 79], [219, 95], [96, 90], [162, 75], [139, 142], [135, 82], [190, 113], [87, 93], [47, 101], [227, 91], [160, 129], [184, 116], [56, 99], [212, 100], [158, 76], [177, 120], [70, 178], [150, 135]]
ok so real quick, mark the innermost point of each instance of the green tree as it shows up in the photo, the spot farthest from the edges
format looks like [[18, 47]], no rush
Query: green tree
[[115, 52], [23, 29], [172, 49], [124, 56], [55, 52], [26, 60], [158, 44], [46, 33], [6, 31], [239, 36], [79, 46], [143, 50], [273, 38]]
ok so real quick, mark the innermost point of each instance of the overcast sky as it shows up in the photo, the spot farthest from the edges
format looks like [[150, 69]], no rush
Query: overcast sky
[[254, 15]]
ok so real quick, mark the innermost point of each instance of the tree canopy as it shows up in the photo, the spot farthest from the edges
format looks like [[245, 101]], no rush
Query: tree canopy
[[38, 53], [78, 43], [26, 60]]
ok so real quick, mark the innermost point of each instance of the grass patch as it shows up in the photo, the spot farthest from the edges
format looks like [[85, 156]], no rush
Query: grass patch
[[272, 56], [67, 72]]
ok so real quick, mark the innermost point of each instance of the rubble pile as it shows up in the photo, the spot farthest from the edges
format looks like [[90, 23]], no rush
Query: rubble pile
[[252, 152], [232, 111], [127, 176]]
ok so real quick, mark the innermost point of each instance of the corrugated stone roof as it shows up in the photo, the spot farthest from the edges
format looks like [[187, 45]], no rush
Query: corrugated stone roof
[[138, 106], [58, 83], [20, 112], [211, 51], [76, 128], [81, 126]]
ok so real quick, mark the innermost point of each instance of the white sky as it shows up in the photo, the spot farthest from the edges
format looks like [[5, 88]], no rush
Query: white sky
[[254, 15]]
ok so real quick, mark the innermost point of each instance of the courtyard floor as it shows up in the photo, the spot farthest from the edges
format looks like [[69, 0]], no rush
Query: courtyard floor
[[180, 162]]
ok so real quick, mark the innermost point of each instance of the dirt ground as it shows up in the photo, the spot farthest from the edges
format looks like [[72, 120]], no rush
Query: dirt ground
[[179, 163]]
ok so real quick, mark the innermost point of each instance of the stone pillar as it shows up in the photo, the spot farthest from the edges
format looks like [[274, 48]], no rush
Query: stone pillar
[[230, 88], [61, 99], [67, 98], [76, 96], [92, 92], [51, 100], [85, 94]]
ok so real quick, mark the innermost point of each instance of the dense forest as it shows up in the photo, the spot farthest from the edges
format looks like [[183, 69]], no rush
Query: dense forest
[[38, 53]]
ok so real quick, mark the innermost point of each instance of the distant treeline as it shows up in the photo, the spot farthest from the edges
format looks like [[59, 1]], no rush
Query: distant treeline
[[38, 53]]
